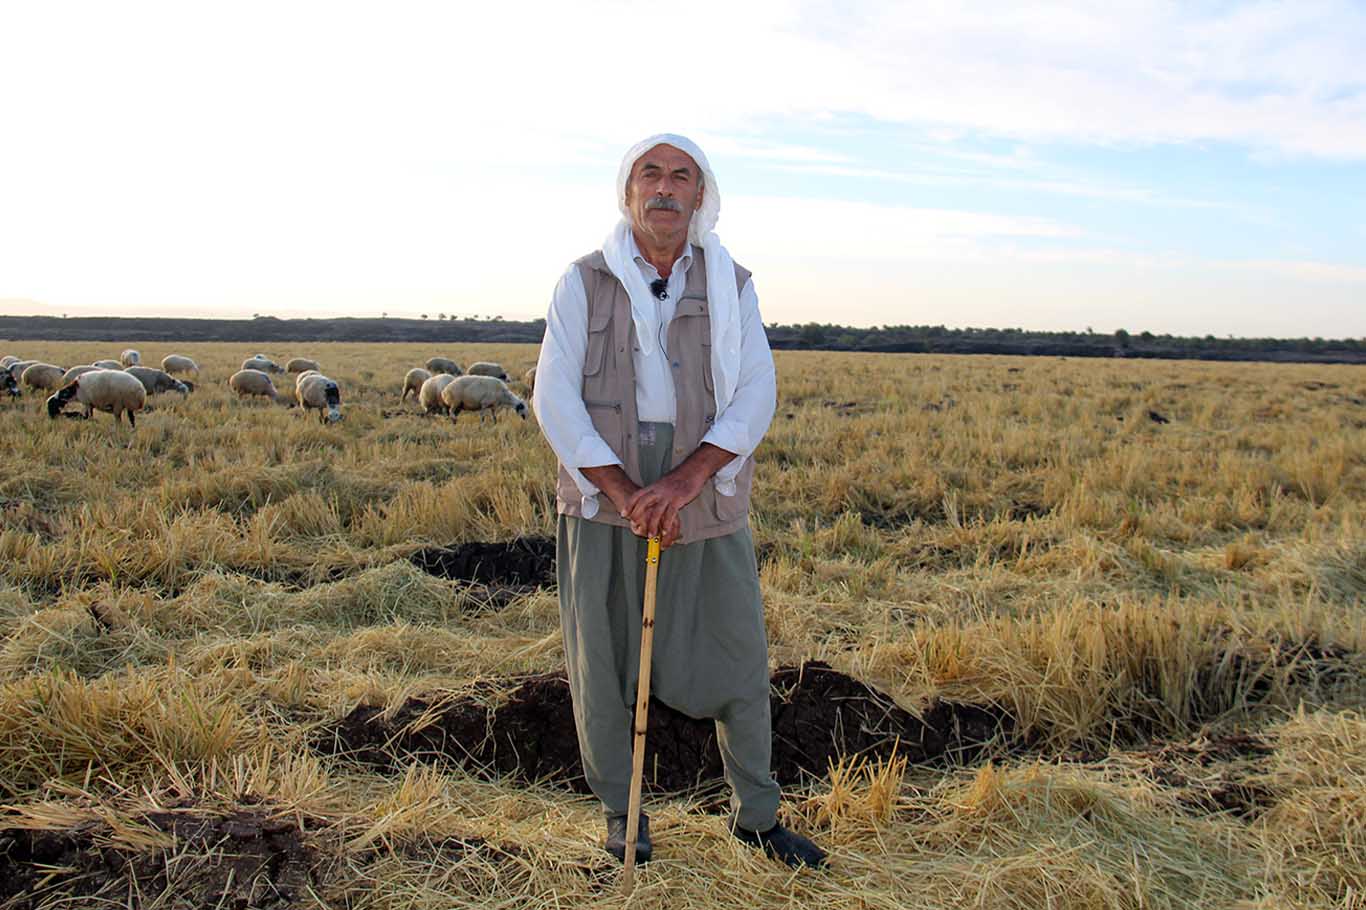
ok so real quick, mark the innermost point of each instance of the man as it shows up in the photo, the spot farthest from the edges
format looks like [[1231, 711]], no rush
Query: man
[[654, 386]]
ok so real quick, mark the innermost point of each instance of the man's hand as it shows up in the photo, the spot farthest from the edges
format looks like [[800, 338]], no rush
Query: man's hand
[[668, 538], [615, 483], [655, 508]]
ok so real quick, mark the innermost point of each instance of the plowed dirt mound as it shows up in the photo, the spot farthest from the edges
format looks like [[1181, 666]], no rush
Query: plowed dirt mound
[[246, 859], [525, 562], [818, 714]]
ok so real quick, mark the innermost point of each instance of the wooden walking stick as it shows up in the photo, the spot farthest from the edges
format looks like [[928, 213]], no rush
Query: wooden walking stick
[[647, 642]]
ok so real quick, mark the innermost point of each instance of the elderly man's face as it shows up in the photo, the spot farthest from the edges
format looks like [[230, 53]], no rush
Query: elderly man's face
[[664, 189]]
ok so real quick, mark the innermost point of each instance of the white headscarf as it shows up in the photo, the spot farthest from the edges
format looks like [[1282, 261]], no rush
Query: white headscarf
[[723, 298]]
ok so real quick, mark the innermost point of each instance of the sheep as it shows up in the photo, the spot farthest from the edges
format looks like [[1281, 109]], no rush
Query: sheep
[[104, 390], [300, 364], [439, 365], [178, 363], [412, 382], [261, 364], [157, 381], [429, 396], [78, 371], [43, 376], [314, 390], [480, 393], [7, 384], [130, 358], [485, 368], [7, 360], [107, 365], [530, 378], [252, 382], [17, 368]]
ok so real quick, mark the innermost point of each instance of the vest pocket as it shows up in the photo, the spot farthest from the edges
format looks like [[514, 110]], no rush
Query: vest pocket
[[599, 336], [611, 425], [707, 380]]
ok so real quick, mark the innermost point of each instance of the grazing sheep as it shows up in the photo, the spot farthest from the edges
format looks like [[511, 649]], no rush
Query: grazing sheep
[[78, 371], [439, 365], [252, 382], [261, 364], [7, 360], [480, 393], [130, 358], [102, 390], [178, 363], [158, 381], [530, 378], [43, 376], [107, 365], [485, 368], [412, 382], [429, 396], [7, 384], [314, 390], [17, 368], [300, 364]]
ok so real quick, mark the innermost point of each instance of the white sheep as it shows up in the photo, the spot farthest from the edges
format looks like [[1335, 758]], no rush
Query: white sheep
[[300, 364], [252, 382], [157, 381], [438, 365], [102, 390], [480, 393], [17, 368], [130, 358], [262, 364], [7, 360], [107, 365], [429, 396], [314, 390], [178, 363], [42, 376], [412, 382], [80, 370], [485, 368]]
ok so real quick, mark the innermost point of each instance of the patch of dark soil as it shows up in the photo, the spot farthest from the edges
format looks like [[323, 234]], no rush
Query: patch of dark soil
[[894, 518], [246, 859], [818, 714], [1214, 774], [1023, 509], [527, 561]]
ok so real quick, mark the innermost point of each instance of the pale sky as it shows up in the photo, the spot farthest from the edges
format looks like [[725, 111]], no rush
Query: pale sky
[[1178, 167]]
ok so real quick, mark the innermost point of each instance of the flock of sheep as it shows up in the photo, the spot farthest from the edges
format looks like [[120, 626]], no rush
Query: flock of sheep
[[122, 386]]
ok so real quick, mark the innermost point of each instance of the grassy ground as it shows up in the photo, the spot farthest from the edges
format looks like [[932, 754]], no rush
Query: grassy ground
[[1169, 613]]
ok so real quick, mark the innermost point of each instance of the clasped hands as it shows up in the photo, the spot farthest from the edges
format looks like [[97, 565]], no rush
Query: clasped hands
[[654, 510]]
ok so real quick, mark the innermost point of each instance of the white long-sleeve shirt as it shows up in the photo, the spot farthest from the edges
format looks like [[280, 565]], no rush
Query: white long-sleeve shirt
[[558, 399]]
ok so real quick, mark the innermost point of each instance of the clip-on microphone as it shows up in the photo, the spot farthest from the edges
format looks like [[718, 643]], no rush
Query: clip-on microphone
[[659, 287]]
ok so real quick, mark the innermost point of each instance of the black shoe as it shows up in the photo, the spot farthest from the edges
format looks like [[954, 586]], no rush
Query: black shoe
[[616, 838], [780, 843]]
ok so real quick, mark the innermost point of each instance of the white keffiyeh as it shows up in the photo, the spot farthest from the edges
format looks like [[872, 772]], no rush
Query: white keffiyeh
[[723, 297]]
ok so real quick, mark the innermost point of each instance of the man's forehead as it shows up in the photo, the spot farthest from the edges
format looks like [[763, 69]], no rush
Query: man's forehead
[[666, 156]]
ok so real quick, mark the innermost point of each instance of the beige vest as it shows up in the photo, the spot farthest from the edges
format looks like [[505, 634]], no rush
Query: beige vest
[[609, 392]]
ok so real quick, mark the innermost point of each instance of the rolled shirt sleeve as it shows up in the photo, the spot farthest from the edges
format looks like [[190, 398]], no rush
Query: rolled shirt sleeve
[[557, 396], [742, 426]]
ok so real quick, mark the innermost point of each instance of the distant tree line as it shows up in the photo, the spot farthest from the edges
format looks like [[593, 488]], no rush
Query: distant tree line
[[935, 339]]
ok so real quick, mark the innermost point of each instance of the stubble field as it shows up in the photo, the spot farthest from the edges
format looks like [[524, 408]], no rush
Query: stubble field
[[1044, 633]]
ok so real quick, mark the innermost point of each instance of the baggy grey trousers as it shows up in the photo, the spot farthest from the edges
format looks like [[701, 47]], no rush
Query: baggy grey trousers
[[710, 655]]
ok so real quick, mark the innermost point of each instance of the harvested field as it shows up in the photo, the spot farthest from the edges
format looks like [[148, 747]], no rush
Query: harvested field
[[1030, 646]]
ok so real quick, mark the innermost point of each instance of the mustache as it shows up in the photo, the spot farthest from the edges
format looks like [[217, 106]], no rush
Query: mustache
[[663, 202]]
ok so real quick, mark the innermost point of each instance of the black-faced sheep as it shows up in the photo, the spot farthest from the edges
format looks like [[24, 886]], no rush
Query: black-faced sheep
[[412, 382], [438, 365], [16, 369], [101, 390], [480, 393], [158, 381], [300, 364], [486, 368], [130, 358], [314, 390], [7, 384], [252, 382], [175, 364], [429, 396]]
